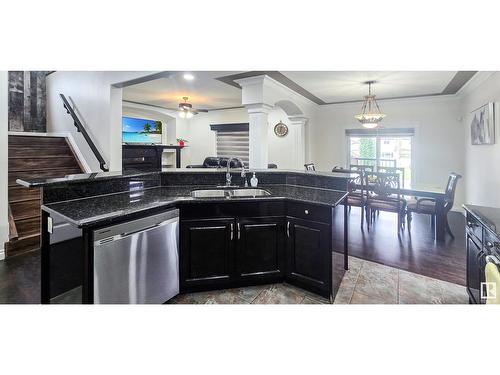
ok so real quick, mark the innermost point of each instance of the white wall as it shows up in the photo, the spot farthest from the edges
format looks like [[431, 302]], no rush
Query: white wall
[[202, 139], [202, 142], [482, 162], [437, 146], [4, 222], [99, 106]]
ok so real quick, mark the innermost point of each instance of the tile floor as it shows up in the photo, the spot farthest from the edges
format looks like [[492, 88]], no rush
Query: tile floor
[[365, 283]]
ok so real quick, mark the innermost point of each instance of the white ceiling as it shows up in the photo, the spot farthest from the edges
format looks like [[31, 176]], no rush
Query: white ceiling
[[207, 92], [348, 86], [204, 91]]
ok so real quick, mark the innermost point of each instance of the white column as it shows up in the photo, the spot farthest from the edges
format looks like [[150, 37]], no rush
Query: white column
[[299, 124], [258, 140]]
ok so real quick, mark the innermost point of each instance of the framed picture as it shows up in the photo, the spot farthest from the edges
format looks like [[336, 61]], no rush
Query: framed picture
[[482, 127]]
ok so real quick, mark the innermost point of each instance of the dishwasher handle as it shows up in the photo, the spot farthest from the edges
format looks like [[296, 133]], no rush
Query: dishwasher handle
[[126, 234], [130, 228], [120, 236]]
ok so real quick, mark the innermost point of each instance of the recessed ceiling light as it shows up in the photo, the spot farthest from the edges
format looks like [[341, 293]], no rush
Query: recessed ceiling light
[[188, 76]]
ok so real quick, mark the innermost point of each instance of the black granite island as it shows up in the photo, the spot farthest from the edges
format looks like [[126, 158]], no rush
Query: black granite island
[[224, 242]]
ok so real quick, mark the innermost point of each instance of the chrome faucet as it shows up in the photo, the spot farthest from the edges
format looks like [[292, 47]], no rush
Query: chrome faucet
[[228, 172], [244, 175]]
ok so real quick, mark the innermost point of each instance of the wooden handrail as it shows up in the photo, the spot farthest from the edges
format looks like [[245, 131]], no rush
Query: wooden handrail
[[13, 235], [79, 126]]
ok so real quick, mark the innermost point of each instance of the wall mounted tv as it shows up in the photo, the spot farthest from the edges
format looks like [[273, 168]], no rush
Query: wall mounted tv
[[139, 130]]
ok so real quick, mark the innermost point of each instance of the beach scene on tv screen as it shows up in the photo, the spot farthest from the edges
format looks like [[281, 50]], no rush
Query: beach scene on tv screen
[[138, 130]]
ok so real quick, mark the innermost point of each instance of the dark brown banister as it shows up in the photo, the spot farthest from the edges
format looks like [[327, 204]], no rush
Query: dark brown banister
[[79, 126]]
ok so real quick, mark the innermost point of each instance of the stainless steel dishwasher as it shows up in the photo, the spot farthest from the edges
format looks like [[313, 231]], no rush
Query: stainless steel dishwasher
[[137, 261]]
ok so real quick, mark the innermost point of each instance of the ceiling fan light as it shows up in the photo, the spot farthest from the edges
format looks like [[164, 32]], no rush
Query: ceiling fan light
[[182, 114], [189, 114]]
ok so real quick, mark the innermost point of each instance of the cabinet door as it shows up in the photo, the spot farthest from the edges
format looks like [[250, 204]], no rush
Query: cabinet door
[[207, 255], [309, 258], [260, 249], [473, 270]]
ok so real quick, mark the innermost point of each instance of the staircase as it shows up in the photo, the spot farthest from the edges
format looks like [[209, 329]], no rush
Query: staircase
[[33, 157]]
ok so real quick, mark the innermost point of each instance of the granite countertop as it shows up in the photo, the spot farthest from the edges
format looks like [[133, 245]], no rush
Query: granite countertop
[[102, 176], [488, 216], [104, 208]]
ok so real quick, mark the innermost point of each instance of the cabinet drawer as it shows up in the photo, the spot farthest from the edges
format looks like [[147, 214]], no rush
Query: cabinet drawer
[[474, 227], [231, 209], [309, 212]]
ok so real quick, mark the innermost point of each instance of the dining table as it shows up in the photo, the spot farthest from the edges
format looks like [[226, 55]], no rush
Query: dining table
[[421, 191]]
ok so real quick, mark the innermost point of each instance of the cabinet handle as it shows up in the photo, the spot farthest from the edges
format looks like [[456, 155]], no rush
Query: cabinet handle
[[238, 226], [288, 229], [306, 212], [232, 231], [489, 245]]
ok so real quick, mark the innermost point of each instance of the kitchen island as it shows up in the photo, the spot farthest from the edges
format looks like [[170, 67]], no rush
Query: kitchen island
[[284, 235]]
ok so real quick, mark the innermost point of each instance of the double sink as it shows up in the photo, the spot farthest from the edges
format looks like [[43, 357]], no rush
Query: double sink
[[230, 193]]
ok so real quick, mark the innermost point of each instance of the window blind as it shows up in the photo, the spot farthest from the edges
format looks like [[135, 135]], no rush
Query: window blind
[[233, 144]]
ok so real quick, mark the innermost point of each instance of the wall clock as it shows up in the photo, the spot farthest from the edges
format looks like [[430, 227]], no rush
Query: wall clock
[[280, 129]]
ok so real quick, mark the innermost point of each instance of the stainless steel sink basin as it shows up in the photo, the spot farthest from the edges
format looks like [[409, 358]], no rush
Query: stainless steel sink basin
[[229, 193], [210, 193], [250, 193]]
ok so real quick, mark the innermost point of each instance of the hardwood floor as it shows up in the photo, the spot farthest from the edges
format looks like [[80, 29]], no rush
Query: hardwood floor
[[416, 252]]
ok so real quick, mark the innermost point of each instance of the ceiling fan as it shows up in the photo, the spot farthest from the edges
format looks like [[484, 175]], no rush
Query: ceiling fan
[[186, 109]]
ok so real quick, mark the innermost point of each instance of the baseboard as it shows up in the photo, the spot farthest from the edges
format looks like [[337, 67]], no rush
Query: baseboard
[[67, 135], [2, 254]]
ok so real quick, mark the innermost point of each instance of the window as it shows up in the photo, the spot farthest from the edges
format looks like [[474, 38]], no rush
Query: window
[[383, 148], [232, 141], [233, 144]]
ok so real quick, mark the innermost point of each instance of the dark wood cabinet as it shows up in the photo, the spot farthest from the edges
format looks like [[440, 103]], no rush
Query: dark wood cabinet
[[260, 249], [207, 255], [473, 270], [237, 244], [147, 157], [481, 242], [309, 255]]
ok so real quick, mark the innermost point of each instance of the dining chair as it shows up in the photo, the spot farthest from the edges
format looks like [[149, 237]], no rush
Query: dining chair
[[399, 170], [310, 167], [363, 168], [428, 205], [356, 189], [383, 198]]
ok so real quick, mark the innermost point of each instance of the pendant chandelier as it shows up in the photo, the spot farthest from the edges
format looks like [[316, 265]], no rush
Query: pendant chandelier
[[370, 114]]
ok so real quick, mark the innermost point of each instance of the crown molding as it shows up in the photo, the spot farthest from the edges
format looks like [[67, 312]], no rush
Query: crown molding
[[476, 81]]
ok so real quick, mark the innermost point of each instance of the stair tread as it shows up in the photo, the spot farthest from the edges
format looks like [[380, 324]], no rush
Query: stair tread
[[23, 200], [42, 157], [40, 169], [27, 235], [24, 217]]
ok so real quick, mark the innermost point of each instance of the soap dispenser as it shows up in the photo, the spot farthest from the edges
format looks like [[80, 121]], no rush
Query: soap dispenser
[[254, 180]]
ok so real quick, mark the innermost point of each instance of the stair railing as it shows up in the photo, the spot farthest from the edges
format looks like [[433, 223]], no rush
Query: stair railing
[[81, 129]]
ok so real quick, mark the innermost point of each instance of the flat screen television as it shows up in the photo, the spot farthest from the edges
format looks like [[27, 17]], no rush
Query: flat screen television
[[140, 130]]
